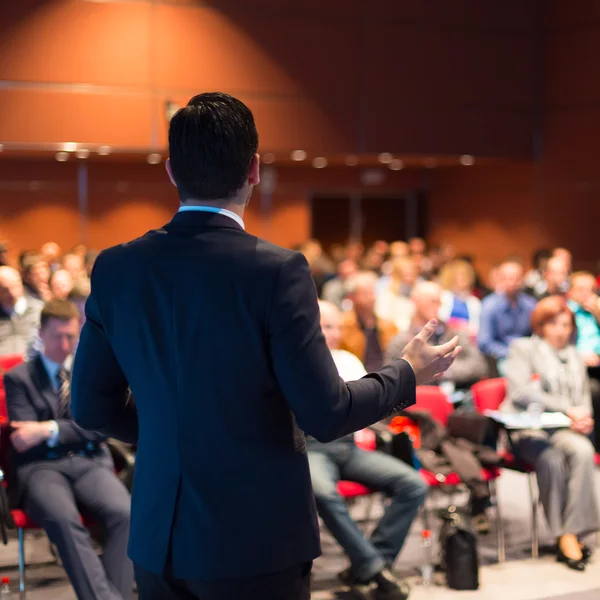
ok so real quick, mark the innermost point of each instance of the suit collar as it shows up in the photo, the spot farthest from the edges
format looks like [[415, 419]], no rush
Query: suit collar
[[194, 219]]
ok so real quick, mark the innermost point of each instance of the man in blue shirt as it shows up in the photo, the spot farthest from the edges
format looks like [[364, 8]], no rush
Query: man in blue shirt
[[584, 302], [505, 315]]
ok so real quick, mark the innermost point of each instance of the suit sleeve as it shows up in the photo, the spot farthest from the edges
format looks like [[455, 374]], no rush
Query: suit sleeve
[[100, 396], [324, 405]]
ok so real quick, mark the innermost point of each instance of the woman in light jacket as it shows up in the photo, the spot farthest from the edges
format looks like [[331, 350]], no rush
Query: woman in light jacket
[[563, 458]]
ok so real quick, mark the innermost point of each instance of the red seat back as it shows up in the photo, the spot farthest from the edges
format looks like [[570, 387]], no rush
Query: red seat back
[[430, 398], [489, 394], [7, 362]]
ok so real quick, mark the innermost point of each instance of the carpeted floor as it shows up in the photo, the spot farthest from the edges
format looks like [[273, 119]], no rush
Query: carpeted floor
[[520, 578]]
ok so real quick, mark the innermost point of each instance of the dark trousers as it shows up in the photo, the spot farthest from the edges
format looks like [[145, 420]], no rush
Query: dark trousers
[[291, 584], [594, 373], [54, 493]]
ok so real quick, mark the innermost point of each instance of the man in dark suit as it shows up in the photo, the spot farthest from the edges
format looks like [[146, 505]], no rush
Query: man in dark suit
[[217, 334], [56, 466]]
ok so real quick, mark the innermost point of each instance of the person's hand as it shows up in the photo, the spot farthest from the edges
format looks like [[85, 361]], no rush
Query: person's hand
[[592, 305], [591, 359], [582, 421], [430, 362], [28, 434]]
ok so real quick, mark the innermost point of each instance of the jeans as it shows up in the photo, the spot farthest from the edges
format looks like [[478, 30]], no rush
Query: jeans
[[338, 460]]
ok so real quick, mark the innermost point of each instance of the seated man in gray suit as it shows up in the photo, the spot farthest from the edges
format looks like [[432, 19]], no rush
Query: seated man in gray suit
[[58, 468]]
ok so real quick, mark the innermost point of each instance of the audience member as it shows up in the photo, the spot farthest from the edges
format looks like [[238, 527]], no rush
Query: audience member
[[58, 467], [505, 315], [563, 458], [565, 255], [417, 246], [90, 259], [19, 314], [397, 249], [469, 367], [335, 290], [393, 293], [459, 306], [61, 284], [536, 274], [36, 274], [371, 560], [363, 333], [73, 263], [555, 279], [584, 302], [321, 268], [51, 253]]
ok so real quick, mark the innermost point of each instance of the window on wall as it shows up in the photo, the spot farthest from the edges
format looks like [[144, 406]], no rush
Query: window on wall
[[336, 219]]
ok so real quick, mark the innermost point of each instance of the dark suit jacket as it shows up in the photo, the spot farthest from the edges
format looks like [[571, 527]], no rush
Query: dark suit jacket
[[31, 397], [218, 335]]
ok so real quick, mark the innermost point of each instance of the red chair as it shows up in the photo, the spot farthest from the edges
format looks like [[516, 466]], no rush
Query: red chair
[[7, 362], [489, 395], [351, 490], [431, 399]]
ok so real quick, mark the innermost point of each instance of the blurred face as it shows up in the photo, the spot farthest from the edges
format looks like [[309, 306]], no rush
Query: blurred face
[[74, 264], [557, 332], [399, 249], [61, 284], [427, 303], [51, 252], [364, 297], [564, 255], [39, 274], [417, 246], [462, 281], [380, 247], [582, 289], [346, 269], [511, 278], [409, 272], [556, 273], [59, 338], [11, 288], [331, 326]]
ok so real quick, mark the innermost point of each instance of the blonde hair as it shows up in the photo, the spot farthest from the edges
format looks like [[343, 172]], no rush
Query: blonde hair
[[450, 271]]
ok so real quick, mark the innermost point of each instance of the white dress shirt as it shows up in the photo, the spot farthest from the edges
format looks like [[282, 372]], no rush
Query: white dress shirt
[[348, 365], [52, 368]]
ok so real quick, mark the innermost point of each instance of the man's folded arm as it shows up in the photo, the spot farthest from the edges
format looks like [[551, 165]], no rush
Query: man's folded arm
[[324, 405], [100, 396]]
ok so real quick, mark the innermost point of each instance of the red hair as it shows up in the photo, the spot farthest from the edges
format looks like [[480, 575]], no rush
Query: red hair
[[548, 309]]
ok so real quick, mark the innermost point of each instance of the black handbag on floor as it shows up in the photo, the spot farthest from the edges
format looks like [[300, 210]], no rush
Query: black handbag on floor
[[459, 552]]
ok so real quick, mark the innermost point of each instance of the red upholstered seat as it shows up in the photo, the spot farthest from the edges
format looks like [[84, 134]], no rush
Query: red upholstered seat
[[351, 489]]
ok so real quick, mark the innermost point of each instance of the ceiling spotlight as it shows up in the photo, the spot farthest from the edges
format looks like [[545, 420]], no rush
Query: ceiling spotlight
[[467, 160], [268, 158], [82, 153], [351, 160], [154, 158], [298, 155], [320, 162], [61, 156], [430, 163], [70, 147], [104, 150], [385, 158], [396, 164]]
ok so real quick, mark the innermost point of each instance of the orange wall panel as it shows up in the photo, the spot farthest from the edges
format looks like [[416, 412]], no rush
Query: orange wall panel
[[48, 117], [69, 41]]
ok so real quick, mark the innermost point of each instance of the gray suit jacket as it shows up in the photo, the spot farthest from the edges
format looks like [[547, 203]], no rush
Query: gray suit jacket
[[528, 356]]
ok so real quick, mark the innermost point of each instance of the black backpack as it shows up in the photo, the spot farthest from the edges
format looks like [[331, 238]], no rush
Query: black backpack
[[459, 552]]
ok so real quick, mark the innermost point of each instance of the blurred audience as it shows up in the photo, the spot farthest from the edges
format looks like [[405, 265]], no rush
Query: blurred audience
[[536, 274], [459, 306], [19, 314], [371, 559], [61, 284], [36, 275], [555, 279], [73, 263], [470, 365], [4, 261], [51, 253], [393, 293], [584, 302], [505, 315], [565, 255], [547, 371], [363, 333], [335, 290]]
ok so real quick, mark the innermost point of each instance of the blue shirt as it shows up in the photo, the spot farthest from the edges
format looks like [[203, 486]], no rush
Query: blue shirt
[[214, 209], [502, 322], [588, 329], [460, 310]]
